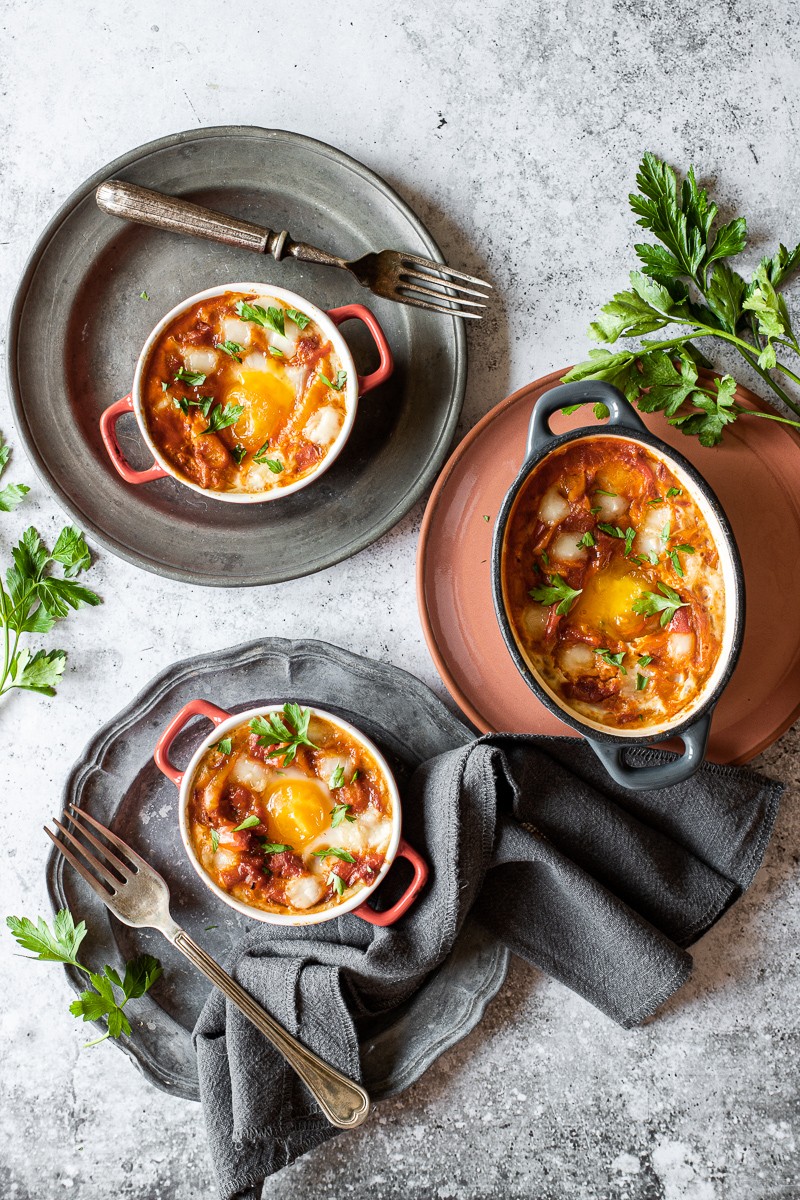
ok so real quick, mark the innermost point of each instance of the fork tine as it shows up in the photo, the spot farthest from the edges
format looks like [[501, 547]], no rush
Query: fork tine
[[125, 869], [453, 312], [103, 892], [445, 283], [135, 859], [443, 267], [413, 289], [91, 859]]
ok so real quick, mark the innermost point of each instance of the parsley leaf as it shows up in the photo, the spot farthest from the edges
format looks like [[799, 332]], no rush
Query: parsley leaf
[[339, 813], [641, 681], [335, 852], [269, 318], [613, 660], [300, 319], [556, 591], [215, 840], [337, 384], [644, 659], [675, 491], [337, 778], [248, 823], [238, 454], [676, 563], [587, 541], [337, 883], [193, 378], [668, 603], [232, 349], [221, 418], [59, 944], [284, 734], [275, 352], [274, 847], [225, 745], [275, 465]]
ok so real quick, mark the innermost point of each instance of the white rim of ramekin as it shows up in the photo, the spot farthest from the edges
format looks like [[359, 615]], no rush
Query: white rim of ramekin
[[293, 300], [259, 914]]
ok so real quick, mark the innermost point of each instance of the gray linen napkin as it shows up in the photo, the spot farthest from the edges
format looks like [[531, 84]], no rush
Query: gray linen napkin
[[600, 887]]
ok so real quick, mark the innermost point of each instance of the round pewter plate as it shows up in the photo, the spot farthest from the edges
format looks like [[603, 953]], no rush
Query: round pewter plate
[[80, 318], [117, 781]]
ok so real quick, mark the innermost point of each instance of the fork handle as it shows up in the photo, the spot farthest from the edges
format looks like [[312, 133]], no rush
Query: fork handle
[[344, 1103], [146, 207]]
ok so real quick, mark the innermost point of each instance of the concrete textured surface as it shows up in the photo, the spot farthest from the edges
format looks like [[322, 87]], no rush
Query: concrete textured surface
[[515, 131]]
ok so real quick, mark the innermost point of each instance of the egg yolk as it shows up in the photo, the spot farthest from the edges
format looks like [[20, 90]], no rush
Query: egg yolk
[[299, 810], [267, 399], [606, 603]]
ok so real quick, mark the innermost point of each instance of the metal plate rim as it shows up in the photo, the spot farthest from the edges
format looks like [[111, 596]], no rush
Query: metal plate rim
[[118, 548]]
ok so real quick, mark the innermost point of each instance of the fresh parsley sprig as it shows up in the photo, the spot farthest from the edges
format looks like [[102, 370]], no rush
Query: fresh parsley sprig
[[268, 318], [284, 734], [33, 600], [613, 660], [668, 603], [61, 943], [556, 591], [338, 384], [340, 813], [221, 418], [687, 281], [334, 852]]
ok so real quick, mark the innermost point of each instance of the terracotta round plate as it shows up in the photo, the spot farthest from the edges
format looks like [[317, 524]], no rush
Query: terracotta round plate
[[755, 473]]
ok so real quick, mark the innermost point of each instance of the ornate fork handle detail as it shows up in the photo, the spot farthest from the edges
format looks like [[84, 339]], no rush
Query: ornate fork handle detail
[[344, 1102]]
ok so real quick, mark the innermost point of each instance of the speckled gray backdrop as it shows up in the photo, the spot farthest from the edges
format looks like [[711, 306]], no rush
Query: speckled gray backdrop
[[515, 130]]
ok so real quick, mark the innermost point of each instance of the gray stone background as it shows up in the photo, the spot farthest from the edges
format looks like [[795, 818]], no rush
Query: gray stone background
[[515, 130]]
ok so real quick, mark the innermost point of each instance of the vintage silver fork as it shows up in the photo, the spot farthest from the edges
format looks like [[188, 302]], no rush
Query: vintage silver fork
[[139, 896], [407, 278]]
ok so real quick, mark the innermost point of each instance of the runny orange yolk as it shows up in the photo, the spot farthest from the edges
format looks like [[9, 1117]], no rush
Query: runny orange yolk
[[267, 398], [606, 604], [298, 810]]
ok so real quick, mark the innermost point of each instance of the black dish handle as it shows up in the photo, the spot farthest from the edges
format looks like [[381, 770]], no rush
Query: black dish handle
[[589, 391], [645, 779]]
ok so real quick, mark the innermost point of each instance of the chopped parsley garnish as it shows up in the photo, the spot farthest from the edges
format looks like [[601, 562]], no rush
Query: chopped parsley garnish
[[268, 318], [184, 403], [300, 319], [556, 591], [627, 535], [641, 681], [337, 384], [224, 746], [144, 296], [665, 533], [656, 500], [193, 378], [248, 823], [613, 660], [231, 348], [276, 353], [651, 554], [337, 883], [630, 534], [221, 418], [545, 558], [645, 659], [283, 733], [164, 385], [335, 852], [587, 540], [214, 840], [274, 847], [676, 563], [339, 813], [601, 492], [275, 465], [673, 491], [337, 778], [238, 454], [668, 603]]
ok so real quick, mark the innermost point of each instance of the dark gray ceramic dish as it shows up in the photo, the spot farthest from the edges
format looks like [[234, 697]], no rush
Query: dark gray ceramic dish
[[609, 746], [78, 323], [118, 782]]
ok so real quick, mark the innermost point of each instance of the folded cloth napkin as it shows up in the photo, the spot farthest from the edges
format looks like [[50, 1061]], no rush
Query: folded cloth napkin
[[600, 887]]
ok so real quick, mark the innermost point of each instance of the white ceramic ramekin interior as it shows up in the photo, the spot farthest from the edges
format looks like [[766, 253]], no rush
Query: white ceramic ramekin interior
[[293, 300], [258, 914], [731, 613]]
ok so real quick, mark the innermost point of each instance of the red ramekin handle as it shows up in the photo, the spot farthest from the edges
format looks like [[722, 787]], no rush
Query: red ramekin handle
[[357, 312], [108, 432], [409, 895], [195, 708]]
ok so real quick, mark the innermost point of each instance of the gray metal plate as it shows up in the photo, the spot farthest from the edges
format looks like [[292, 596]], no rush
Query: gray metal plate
[[78, 324], [117, 781]]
